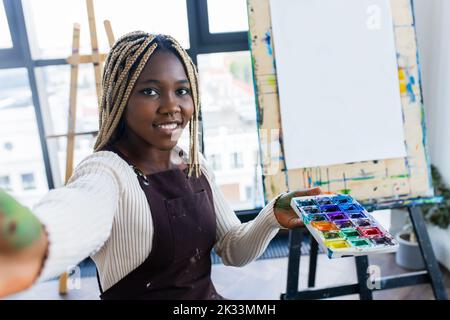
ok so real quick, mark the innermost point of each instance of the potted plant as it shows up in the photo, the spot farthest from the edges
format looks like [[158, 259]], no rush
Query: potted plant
[[408, 254]]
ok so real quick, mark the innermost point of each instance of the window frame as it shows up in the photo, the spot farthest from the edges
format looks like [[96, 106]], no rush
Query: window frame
[[19, 56]]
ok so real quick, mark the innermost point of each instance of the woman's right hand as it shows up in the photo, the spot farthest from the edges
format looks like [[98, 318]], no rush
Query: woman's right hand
[[23, 244]]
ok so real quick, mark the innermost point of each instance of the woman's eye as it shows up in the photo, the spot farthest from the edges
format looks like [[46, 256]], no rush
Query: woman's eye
[[149, 92], [183, 91]]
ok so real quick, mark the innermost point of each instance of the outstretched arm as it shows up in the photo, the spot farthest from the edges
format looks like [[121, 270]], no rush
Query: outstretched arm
[[67, 225], [23, 246]]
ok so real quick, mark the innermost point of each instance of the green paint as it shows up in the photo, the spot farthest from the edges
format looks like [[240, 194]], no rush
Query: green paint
[[345, 191], [18, 226], [360, 242], [321, 183], [284, 201], [350, 233], [362, 178], [272, 81], [399, 176]]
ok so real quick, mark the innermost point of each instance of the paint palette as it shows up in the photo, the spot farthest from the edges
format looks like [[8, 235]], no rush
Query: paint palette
[[342, 226]]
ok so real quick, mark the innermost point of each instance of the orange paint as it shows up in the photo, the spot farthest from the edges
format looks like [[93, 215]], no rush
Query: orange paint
[[324, 225]]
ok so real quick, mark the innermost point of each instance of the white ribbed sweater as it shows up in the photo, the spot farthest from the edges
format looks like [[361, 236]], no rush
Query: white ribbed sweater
[[102, 212]]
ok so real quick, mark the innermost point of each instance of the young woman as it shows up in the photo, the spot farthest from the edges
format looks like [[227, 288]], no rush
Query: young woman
[[147, 212]]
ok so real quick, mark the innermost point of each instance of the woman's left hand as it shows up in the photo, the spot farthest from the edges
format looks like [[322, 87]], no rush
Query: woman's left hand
[[284, 213]]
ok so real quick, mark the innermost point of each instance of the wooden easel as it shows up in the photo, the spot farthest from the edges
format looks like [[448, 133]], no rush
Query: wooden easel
[[75, 60]]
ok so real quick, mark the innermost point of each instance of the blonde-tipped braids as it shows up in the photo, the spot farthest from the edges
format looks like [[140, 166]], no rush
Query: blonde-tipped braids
[[123, 66]]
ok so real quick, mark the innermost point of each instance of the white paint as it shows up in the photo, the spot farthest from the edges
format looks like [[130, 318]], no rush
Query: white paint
[[337, 80]]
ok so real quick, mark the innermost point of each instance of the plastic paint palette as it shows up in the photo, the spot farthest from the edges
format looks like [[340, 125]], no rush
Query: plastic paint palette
[[342, 227]]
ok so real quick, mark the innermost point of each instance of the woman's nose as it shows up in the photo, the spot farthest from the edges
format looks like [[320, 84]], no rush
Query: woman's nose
[[169, 104]]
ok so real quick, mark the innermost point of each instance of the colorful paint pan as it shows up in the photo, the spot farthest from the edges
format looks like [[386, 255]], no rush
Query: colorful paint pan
[[317, 217], [308, 202], [343, 224], [382, 241], [324, 225], [337, 244], [358, 215], [342, 227], [323, 201], [360, 242], [332, 235], [344, 199], [350, 233], [351, 207], [310, 209], [329, 208], [370, 232], [336, 216], [362, 222]]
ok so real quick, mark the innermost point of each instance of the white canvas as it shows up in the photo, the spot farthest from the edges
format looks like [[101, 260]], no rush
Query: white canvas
[[337, 80]]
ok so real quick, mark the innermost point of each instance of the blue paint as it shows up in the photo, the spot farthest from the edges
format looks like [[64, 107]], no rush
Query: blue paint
[[266, 39], [409, 88]]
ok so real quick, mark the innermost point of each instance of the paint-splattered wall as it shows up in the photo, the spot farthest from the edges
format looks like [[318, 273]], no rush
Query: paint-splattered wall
[[369, 181]]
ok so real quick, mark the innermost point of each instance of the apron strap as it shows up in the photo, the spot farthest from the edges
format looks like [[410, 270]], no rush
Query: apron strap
[[98, 281]]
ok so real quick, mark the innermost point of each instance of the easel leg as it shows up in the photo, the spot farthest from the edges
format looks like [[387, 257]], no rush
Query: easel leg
[[362, 264], [426, 249], [312, 263], [295, 242]]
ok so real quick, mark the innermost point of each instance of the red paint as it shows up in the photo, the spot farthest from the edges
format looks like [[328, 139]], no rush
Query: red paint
[[370, 232]]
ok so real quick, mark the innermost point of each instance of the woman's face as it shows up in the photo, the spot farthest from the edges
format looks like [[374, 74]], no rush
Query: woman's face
[[161, 103]]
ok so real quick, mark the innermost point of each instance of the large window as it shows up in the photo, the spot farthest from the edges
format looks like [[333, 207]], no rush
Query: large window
[[220, 11], [55, 82], [20, 151], [168, 16], [5, 37], [229, 124], [43, 30]]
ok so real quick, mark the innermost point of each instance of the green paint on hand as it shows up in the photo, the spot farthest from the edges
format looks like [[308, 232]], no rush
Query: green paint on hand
[[19, 228]]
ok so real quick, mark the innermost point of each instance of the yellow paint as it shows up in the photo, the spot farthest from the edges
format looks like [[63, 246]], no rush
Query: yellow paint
[[337, 244], [401, 74], [402, 87]]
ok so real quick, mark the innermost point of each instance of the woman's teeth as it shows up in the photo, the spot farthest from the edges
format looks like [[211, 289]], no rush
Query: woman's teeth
[[170, 126]]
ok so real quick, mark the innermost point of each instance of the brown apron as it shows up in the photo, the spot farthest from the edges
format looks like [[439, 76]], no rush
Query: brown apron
[[179, 264]]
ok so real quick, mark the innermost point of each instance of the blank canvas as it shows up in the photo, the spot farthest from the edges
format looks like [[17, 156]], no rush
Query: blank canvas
[[337, 81]]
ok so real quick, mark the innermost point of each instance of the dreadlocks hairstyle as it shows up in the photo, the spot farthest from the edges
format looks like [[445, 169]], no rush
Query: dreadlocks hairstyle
[[123, 65]]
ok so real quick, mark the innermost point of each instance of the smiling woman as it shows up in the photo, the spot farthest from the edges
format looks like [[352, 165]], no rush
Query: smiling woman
[[147, 213]]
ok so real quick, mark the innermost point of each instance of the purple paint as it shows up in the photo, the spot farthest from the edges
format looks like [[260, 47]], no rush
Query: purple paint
[[362, 222], [379, 241], [336, 216], [344, 224]]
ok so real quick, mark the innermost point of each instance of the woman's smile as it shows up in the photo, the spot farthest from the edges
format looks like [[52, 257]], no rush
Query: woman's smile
[[169, 127]]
